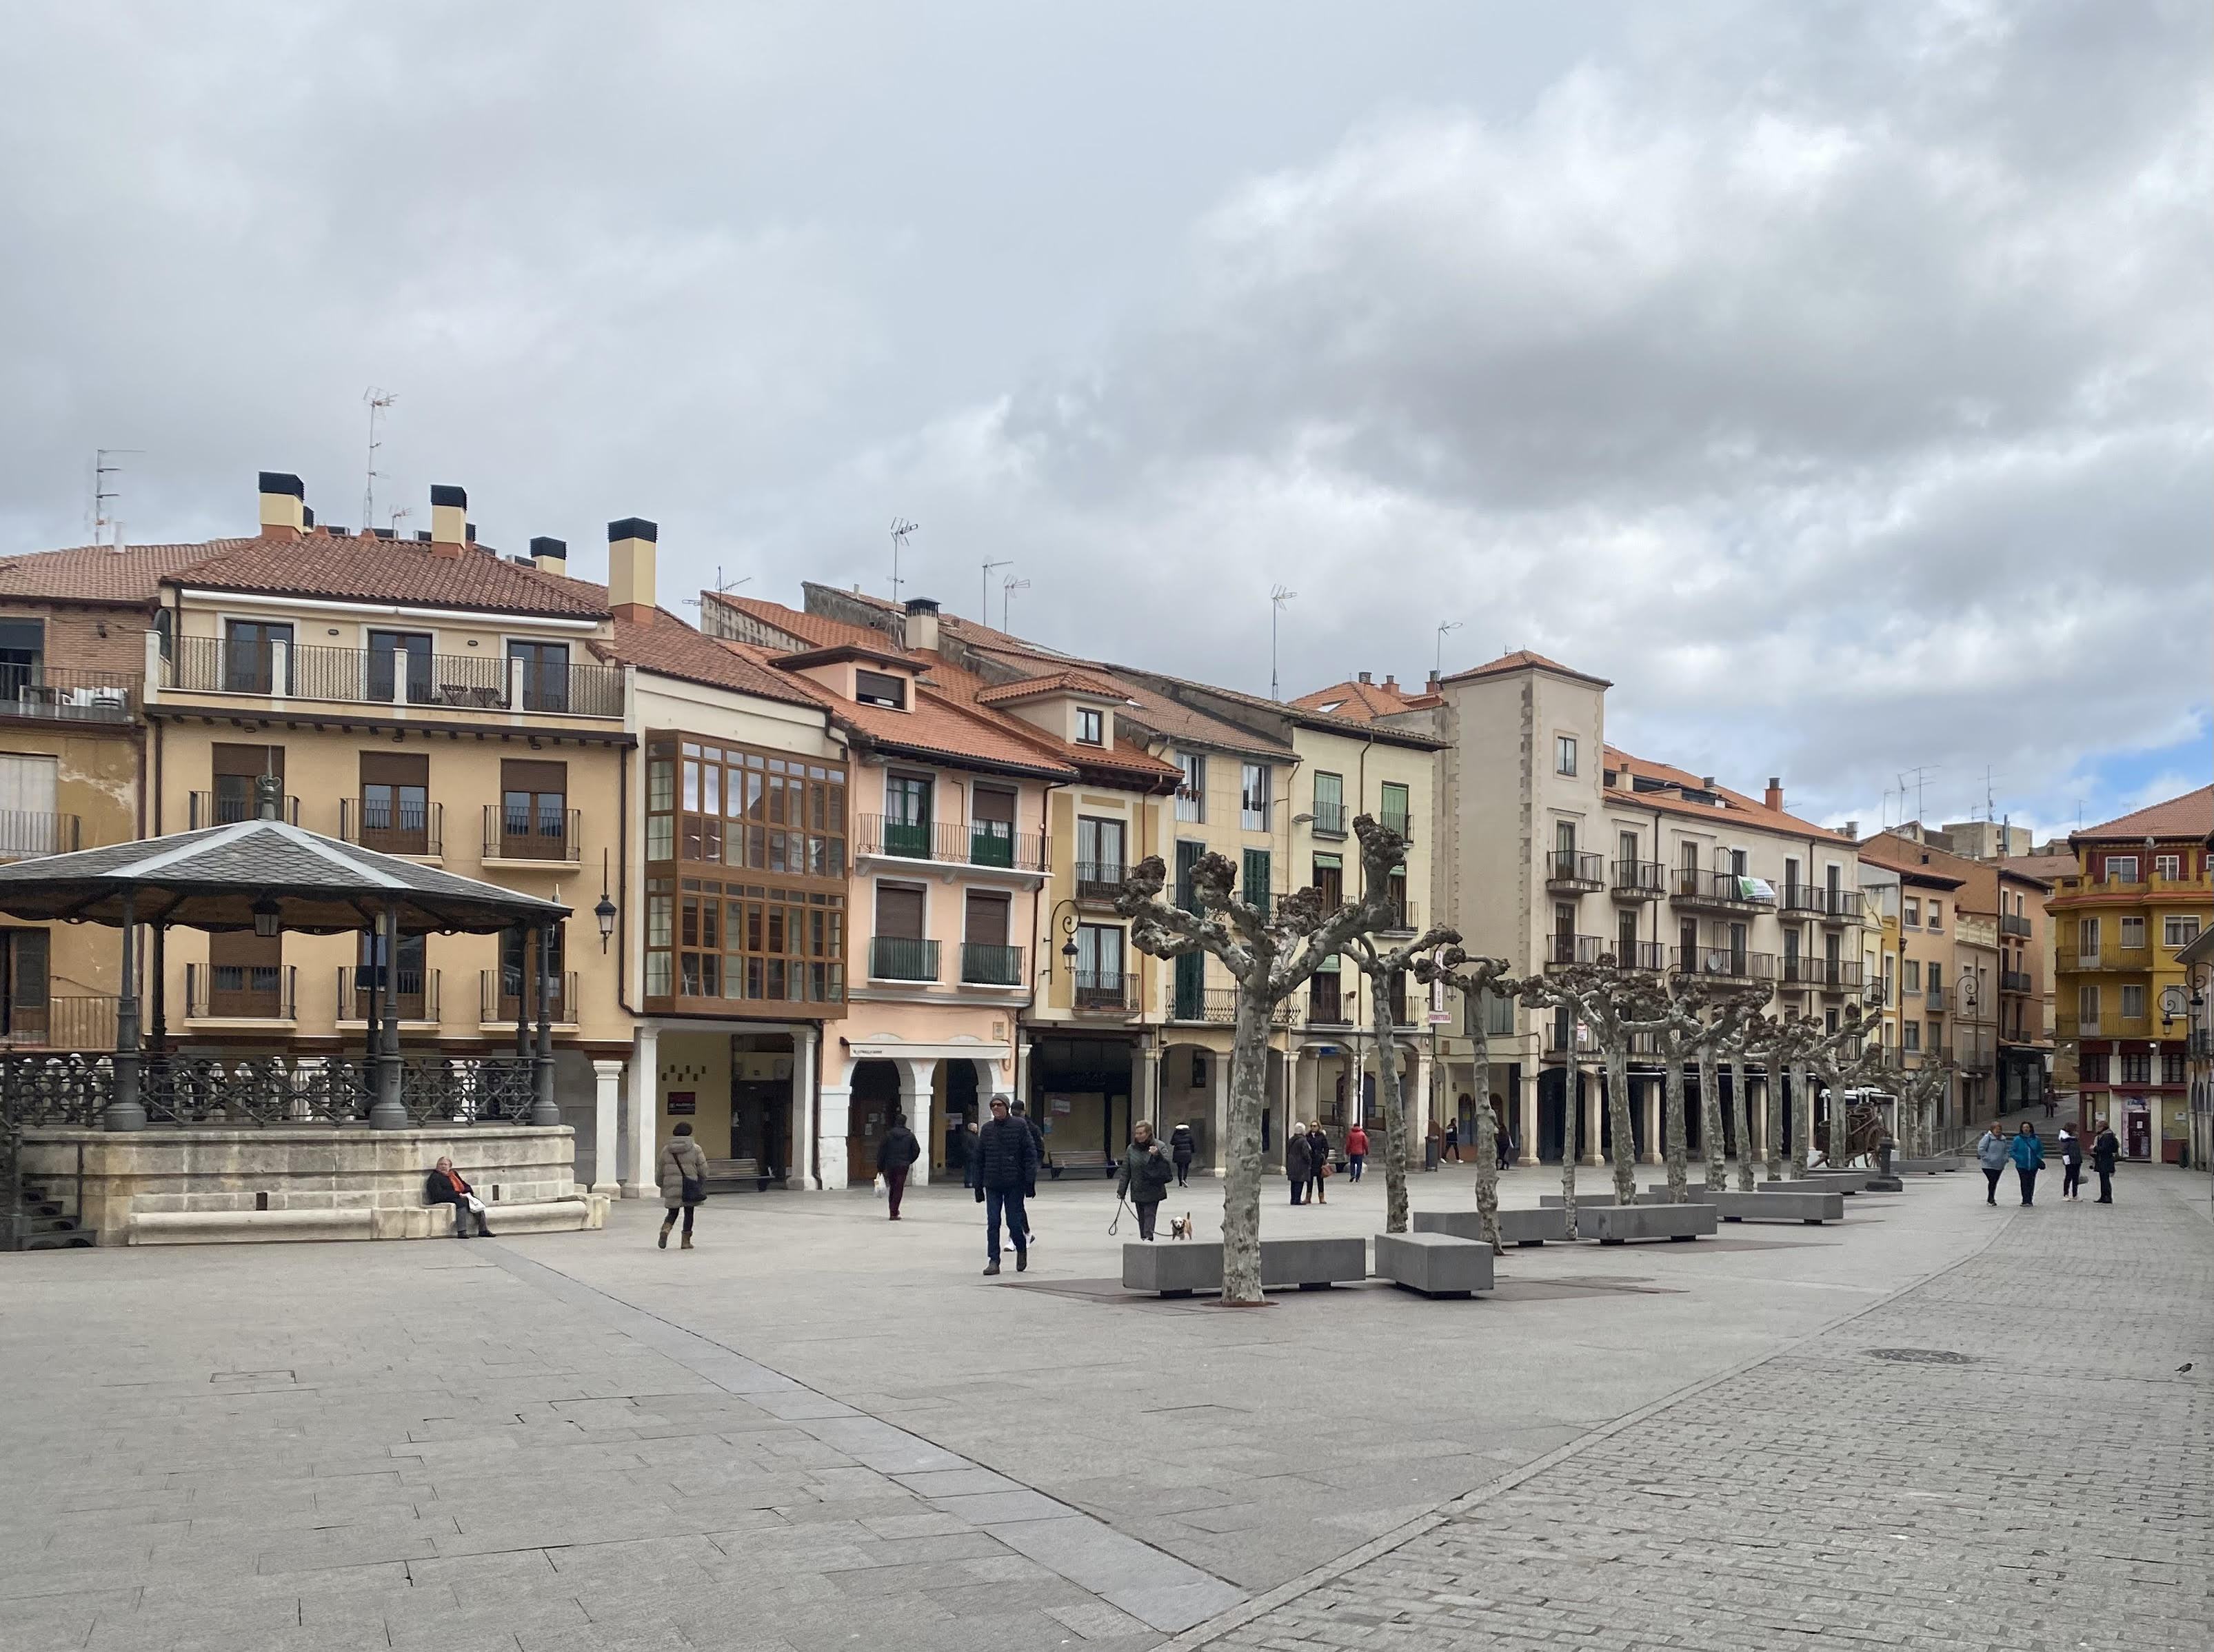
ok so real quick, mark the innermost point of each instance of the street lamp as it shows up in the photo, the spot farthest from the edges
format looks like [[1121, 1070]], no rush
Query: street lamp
[[266, 913], [605, 911]]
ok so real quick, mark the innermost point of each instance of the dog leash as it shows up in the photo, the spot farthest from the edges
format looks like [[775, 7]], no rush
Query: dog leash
[[1117, 1222]]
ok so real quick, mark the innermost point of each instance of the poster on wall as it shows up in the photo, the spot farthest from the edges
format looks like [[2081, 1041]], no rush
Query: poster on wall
[[683, 1101]]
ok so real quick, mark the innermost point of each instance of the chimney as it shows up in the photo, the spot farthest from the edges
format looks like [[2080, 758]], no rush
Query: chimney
[[550, 556], [922, 627], [1850, 831], [1430, 684], [284, 505], [1774, 799], [1390, 684], [449, 512], [630, 568], [1706, 782], [1364, 677]]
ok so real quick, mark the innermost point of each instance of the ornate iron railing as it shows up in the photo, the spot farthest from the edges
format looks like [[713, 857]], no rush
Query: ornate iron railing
[[76, 1090]]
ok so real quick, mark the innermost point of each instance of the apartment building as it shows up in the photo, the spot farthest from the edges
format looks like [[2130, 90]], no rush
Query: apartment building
[[2140, 895], [2198, 961]]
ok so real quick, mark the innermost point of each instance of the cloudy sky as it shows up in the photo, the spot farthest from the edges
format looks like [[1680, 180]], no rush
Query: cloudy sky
[[1833, 378]]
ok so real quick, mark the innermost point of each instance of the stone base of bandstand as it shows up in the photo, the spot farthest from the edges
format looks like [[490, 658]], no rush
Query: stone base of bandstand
[[203, 1186]]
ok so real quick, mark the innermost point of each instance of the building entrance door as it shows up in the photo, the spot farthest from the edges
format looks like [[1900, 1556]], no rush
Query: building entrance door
[[761, 1102], [875, 1098], [2137, 1131]]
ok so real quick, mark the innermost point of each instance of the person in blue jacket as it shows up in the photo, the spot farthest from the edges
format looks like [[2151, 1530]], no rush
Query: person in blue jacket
[[2028, 1155], [1991, 1157]]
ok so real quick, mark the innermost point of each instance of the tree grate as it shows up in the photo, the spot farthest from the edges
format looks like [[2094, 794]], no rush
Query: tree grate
[[1921, 1355]]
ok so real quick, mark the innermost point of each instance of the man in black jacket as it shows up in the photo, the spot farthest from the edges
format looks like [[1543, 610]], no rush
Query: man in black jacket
[[1038, 1141], [1006, 1163], [895, 1155]]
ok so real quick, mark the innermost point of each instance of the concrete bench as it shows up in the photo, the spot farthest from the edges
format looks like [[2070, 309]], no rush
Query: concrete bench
[[1436, 1264], [1179, 1269], [1619, 1224], [1559, 1201], [1814, 1206], [1515, 1226], [1839, 1181], [1923, 1167]]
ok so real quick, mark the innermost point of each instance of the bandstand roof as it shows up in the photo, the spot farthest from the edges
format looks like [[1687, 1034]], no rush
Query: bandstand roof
[[210, 879]]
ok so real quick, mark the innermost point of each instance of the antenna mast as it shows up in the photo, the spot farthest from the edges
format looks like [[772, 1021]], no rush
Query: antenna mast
[[1008, 587], [900, 529], [984, 614], [378, 400], [1450, 625], [102, 522], [1278, 595]]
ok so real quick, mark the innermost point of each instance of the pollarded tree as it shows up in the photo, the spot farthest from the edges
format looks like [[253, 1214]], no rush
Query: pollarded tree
[[1841, 1062], [1694, 1014], [1382, 969], [1474, 978], [1616, 1005], [1918, 1092], [1779, 1043], [1717, 1052], [1268, 957]]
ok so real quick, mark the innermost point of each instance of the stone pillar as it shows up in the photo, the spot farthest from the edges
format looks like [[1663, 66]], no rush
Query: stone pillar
[[1304, 1076], [1590, 1125], [1756, 1099], [837, 1110], [1218, 1129], [544, 1110], [801, 1158], [642, 1104], [1528, 1155], [915, 1083], [1652, 1155], [124, 1110], [390, 1111], [607, 1080], [1145, 1084], [1421, 1106]]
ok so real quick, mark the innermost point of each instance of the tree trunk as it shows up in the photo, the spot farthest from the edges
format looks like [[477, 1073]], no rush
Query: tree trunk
[[1802, 1119], [1741, 1102], [1618, 1112], [1676, 1151], [1771, 1107], [1241, 1186], [1388, 1096], [1710, 1119], [1569, 1109], [1487, 1144]]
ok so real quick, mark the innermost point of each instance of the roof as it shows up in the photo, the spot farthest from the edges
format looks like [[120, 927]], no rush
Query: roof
[[2191, 815], [669, 647], [2047, 869], [816, 630], [1523, 660], [1174, 720], [1895, 856], [210, 879], [1738, 807], [1068, 682], [1365, 701], [1359, 728], [97, 573], [351, 569]]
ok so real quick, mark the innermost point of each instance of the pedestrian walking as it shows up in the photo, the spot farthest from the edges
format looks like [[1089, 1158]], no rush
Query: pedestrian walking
[[1144, 1176], [2071, 1163], [2027, 1152], [1298, 1162], [1452, 1141], [1006, 1165], [1991, 1157], [682, 1174], [1182, 1145], [1318, 1160], [1038, 1141], [957, 1146], [2105, 1149], [2052, 1107], [895, 1156], [1356, 1152], [445, 1186]]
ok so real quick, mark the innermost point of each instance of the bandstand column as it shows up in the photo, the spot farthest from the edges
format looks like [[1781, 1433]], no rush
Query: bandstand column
[[124, 1110]]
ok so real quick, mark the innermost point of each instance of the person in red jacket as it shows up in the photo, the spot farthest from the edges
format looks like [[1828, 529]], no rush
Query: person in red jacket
[[1356, 1152]]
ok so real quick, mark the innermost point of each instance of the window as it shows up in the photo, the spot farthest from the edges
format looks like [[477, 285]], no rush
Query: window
[[1099, 979], [1253, 804], [24, 983], [2133, 935], [534, 811], [1191, 792], [28, 825], [1330, 881], [408, 976], [250, 653], [906, 815], [1098, 855], [386, 649], [396, 807], [2171, 1067], [1625, 938], [545, 674], [1737, 863], [1324, 1004], [1911, 974], [1494, 1012], [1790, 882], [746, 809], [1910, 913], [1330, 804], [1910, 1037], [1936, 915], [1088, 731], [2087, 1004], [1936, 975], [2087, 938], [2137, 1067], [751, 941], [1394, 810], [1564, 846], [1564, 754], [23, 651], [991, 826], [2167, 868], [1625, 846], [236, 769], [2121, 869], [1253, 880], [2091, 1066], [986, 959], [2177, 931], [2133, 1002], [880, 688]]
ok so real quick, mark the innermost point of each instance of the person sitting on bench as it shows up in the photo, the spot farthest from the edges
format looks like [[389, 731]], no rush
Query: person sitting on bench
[[445, 1186]]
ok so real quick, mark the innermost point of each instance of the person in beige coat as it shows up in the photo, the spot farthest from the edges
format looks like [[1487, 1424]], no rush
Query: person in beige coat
[[681, 1162]]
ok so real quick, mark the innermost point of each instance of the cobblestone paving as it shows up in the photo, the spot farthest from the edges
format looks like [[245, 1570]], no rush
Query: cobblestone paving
[[2007, 1456]]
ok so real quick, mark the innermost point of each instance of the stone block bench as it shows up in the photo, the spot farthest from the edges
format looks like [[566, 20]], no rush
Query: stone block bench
[[1584, 1201], [1838, 1181], [1436, 1264], [1515, 1226], [1815, 1206], [1619, 1224], [1923, 1167], [1180, 1270]]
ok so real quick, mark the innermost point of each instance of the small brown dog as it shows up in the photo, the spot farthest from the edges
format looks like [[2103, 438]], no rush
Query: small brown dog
[[1180, 1227]]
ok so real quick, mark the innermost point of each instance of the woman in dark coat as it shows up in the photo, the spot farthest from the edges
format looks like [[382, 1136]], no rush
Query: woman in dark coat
[[1144, 1176], [2104, 1152], [1317, 1160], [1299, 1163], [1182, 1145], [445, 1186]]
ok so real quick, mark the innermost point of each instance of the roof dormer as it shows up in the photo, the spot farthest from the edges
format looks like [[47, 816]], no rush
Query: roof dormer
[[867, 676], [1071, 706]]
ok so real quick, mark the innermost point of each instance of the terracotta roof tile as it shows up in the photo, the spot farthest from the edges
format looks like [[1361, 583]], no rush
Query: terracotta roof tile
[[2191, 815], [669, 647], [1068, 682], [1362, 702], [99, 573], [1750, 810], [387, 571], [1522, 660]]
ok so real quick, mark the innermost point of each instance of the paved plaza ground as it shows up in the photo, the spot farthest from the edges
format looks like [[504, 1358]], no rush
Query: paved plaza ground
[[1939, 1425]]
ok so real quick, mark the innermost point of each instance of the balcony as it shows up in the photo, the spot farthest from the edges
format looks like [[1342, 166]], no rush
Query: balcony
[[416, 991], [1725, 891], [2125, 958], [26, 834], [361, 677], [1935, 999], [1640, 880], [232, 992], [75, 1021], [416, 829], [1641, 958], [1828, 975], [1401, 825], [984, 965], [2010, 925], [1724, 964], [898, 958], [1106, 992], [500, 997], [1100, 881], [973, 843], [1404, 918], [1560, 950], [1329, 819], [61, 695], [2016, 980], [1218, 1006], [540, 837], [2198, 1044], [1834, 906], [210, 809], [1571, 872]]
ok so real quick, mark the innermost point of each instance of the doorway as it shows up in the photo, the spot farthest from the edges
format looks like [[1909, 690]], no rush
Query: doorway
[[875, 1098], [2137, 1131], [761, 1101]]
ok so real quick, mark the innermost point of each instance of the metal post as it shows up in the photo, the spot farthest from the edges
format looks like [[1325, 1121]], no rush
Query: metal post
[[542, 1108], [161, 972], [389, 1112], [524, 974], [124, 1112]]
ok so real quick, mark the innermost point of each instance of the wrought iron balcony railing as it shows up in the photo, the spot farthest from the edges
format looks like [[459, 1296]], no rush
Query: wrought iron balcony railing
[[392, 828], [552, 835], [1640, 880], [901, 958], [1562, 950], [1723, 964], [1106, 990], [2009, 924], [71, 1021], [213, 809], [234, 992], [500, 997], [361, 994], [2016, 980], [1574, 870], [26, 834], [984, 965], [373, 677], [1830, 975], [1100, 880], [976, 843], [1689, 886], [1329, 819], [1818, 901]]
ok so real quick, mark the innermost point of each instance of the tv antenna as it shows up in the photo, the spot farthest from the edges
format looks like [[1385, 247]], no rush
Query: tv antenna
[[1450, 625], [900, 529], [1921, 771], [378, 400], [1278, 595], [399, 517], [1008, 587], [722, 587], [103, 495], [984, 613]]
